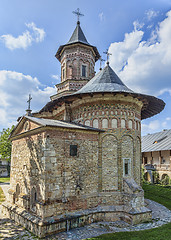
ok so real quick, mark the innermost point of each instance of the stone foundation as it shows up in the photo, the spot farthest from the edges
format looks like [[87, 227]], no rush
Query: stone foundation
[[65, 222]]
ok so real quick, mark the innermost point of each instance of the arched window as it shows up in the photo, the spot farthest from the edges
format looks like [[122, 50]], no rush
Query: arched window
[[114, 123], [130, 124], [122, 123], [87, 123], [104, 123], [95, 123]]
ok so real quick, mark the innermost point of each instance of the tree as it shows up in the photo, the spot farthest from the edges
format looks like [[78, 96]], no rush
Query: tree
[[5, 144]]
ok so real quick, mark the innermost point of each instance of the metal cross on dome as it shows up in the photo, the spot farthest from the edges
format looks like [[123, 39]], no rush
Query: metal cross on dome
[[107, 53], [78, 13], [101, 60], [29, 100]]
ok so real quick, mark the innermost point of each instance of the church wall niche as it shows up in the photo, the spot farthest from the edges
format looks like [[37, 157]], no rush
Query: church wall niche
[[137, 162], [109, 163], [127, 155]]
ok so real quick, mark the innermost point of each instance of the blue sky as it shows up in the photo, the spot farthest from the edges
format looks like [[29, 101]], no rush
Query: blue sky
[[137, 33]]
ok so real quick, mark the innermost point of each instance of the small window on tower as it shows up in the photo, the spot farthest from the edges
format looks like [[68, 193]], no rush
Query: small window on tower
[[83, 71], [73, 150], [63, 73]]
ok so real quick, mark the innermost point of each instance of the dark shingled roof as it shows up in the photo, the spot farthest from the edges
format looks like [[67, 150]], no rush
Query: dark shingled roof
[[157, 141], [105, 81], [77, 37]]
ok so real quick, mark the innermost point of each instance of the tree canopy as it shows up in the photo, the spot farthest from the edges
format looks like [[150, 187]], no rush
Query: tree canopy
[[5, 143]]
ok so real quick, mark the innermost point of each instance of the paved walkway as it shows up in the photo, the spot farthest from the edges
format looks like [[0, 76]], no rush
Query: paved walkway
[[160, 215]]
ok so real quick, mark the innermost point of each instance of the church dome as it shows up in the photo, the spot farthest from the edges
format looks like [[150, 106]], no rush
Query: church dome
[[107, 81]]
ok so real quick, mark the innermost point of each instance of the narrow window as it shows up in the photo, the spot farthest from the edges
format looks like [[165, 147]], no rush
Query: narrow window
[[73, 150], [63, 73], [33, 199], [126, 167], [83, 71]]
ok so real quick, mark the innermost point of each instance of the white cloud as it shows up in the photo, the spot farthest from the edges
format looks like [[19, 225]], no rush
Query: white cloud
[[14, 90], [144, 66], [55, 77], [153, 126], [26, 39], [101, 16], [150, 14], [38, 33], [137, 25]]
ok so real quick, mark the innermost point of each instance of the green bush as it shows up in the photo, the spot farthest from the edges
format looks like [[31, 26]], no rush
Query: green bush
[[156, 177], [166, 180], [143, 175]]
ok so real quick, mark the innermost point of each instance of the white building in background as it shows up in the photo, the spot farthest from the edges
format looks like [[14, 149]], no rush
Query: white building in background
[[156, 154]]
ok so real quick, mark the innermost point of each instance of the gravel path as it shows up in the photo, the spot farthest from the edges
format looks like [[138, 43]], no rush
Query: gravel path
[[160, 215]]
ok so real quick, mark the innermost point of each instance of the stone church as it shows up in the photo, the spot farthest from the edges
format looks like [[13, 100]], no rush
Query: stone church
[[77, 160]]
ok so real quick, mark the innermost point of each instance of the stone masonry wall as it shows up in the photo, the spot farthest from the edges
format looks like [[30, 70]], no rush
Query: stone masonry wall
[[27, 170], [69, 178]]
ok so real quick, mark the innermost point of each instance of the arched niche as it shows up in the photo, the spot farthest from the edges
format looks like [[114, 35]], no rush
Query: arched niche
[[87, 123], [127, 155], [17, 192], [95, 123], [109, 163], [105, 123], [33, 198], [123, 123], [130, 124], [137, 161], [114, 123]]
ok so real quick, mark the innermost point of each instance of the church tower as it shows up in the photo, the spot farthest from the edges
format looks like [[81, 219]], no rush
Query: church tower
[[77, 58]]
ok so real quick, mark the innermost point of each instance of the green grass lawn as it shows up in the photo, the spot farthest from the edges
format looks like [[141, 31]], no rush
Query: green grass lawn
[[156, 193], [2, 197], [4, 179]]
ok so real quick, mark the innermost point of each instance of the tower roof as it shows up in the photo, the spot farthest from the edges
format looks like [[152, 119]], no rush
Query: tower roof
[[105, 81], [77, 37]]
